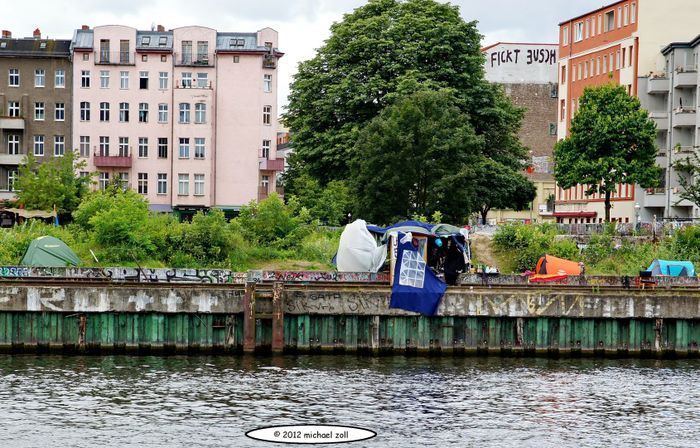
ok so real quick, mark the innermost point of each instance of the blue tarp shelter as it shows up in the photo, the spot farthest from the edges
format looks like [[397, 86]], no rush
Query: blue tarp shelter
[[672, 268]]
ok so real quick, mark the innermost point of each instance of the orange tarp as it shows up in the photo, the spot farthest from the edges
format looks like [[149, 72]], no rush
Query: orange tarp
[[557, 266]]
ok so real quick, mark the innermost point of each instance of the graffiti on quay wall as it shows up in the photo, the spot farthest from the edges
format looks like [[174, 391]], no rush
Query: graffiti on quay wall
[[315, 276]]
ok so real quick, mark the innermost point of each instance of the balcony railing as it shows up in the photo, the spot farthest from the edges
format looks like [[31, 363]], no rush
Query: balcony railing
[[271, 164], [660, 119], [11, 123], [658, 84], [190, 83], [112, 161], [684, 117], [194, 59], [269, 61], [115, 58]]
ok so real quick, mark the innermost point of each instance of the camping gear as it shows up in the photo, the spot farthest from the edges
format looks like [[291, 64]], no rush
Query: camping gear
[[549, 264], [415, 286], [48, 251], [358, 250], [673, 268]]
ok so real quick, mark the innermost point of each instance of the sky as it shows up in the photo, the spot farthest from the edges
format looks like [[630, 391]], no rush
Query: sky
[[303, 25]]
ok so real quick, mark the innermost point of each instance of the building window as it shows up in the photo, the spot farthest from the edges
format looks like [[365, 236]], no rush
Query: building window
[[13, 144], [186, 51], [162, 148], [123, 146], [124, 112], [163, 80], [266, 149], [578, 31], [265, 182], [124, 180], [184, 113], [184, 148], [38, 145], [609, 21], [565, 35], [267, 83], [585, 70], [200, 113], [143, 112], [85, 79], [163, 58], [267, 114], [552, 129], [586, 28], [633, 12], [186, 80], [593, 26], [236, 59], [562, 110], [162, 183], [86, 56], [183, 184], [104, 50], [143, 80], [39, 111], [11, 179], [605, 64], [13, 77], [124, 52], [600, 24], [84, 146], [143, 183], [104, 79], [59, 145], [39, 77], [553, 90], [162, 113], [60, 112], [199, 149], [143, 147], [123, 80], [619, 17], [202, 80], [199, 184], [104, 146], [104, 180], [84, 111], [104, 111], [13, 108], [202, 52], [626, 15], [624, 57]]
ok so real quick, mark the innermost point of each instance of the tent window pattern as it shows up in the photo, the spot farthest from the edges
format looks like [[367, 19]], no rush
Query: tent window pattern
[[412, 270]]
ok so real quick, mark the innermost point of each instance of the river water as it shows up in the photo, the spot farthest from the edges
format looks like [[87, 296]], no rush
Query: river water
[[408, 401]]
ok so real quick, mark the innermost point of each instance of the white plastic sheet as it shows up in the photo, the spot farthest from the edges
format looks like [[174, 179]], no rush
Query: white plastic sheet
[[358, 251]]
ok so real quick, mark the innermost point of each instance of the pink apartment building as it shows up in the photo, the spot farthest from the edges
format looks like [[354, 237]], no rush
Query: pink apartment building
[[186, 117]]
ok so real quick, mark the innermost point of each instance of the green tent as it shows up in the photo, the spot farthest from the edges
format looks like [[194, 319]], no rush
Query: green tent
[[47, 251]]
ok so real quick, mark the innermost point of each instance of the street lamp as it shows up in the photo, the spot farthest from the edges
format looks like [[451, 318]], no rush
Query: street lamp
[[637, 217]]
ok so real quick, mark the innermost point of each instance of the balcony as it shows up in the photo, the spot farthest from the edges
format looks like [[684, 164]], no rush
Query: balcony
[[684, 117], [11, 123], [263, 192], [660, 119], [112, 161], [659, 84], [11, 159], [115, 58], [685, 77], [271, 164], [655, 197], [194, 60], [269, 61]]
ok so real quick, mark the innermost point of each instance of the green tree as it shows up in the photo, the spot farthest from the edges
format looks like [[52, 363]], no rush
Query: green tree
[[611, 141], [416, 158], [329, 204], [380, 52], [271, 222], [689, 178], [499, 186], [40, 186]]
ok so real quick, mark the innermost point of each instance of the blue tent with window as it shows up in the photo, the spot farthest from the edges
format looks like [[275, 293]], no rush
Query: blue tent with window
[[672, 268]]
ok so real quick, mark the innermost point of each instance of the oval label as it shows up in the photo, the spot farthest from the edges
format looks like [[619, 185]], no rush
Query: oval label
[[311, 434]]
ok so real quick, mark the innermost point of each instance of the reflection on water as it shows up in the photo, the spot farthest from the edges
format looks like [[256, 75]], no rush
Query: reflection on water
[[213, 401]]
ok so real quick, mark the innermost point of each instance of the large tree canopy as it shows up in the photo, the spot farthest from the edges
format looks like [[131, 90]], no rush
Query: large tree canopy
[[378, 53], [421, 155], [611, 141]]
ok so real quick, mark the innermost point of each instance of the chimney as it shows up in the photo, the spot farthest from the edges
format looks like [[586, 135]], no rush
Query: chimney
[[85, 27], [37, 34], [6, 34], [161, 28]]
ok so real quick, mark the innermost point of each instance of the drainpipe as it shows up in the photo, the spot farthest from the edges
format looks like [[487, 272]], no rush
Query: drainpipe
[[669, 136]]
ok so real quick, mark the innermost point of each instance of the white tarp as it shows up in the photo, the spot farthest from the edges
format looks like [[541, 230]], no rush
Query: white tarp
[[358, 251]]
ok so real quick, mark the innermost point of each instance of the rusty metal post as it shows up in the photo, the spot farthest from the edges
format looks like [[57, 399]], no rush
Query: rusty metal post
[[249, 318], [277, 317], [374, 341], [81, 332]]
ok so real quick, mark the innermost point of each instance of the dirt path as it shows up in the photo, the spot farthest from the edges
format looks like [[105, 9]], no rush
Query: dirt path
[[482, 250]]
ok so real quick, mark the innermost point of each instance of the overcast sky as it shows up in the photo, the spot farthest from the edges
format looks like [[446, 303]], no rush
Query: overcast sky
[[303, 25]]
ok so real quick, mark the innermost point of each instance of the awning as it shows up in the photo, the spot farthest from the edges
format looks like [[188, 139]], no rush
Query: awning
[[579, 214], [162, 208], [29, 213]]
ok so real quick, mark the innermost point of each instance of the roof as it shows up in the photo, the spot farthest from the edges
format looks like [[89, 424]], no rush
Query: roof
[[154, 40], [591, 12], [237, 42], [35, 48], [488, 47], [673, 45], [82, 39]]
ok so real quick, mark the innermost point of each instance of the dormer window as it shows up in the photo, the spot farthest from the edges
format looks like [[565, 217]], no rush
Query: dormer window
[[42, 45], [231, 43], [162, 41], [3, 44], [146, 40]]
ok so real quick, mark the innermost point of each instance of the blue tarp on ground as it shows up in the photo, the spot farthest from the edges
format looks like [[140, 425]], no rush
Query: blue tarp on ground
[[672, 268], [415, 288]]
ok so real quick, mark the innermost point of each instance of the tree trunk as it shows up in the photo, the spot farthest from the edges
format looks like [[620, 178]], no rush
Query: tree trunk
[[484, 212], [607, 206]]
